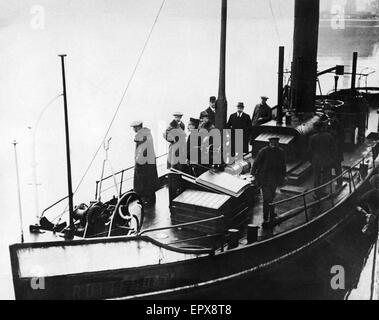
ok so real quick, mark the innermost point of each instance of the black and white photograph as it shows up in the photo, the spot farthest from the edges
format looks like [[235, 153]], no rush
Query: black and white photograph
[[192, 152]]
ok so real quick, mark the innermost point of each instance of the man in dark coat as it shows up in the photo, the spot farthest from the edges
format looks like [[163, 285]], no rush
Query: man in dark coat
[[211, 110], [145, 181], [369, 206], [174, 133], [178, 118], [322, 148], [262, 112], [336, 130], [240, 120], [269, 168], [193, 148]]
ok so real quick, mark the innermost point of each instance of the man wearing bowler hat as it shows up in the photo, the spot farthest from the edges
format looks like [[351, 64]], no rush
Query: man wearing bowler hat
[[211, 110], [145, 181], [269, 168], [240, 120], [262, 112]]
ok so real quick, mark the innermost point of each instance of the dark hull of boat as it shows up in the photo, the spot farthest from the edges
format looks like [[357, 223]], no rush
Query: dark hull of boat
[[266, 269]]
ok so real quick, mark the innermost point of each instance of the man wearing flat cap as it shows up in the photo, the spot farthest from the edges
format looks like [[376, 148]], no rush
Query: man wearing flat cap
[[269, 168], [145, 181], [174, 133], [211, 110], [178, 118], [240, 120], [262, 112]]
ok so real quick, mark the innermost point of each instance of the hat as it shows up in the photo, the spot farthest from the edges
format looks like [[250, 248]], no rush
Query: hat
[[194, 121], [204, 114], [240, 105], [212, 99], [264, 97], [274, 138], [177, 113], [136, 123]]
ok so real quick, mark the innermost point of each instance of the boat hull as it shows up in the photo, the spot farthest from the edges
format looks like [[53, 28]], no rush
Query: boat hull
[[265, 269]]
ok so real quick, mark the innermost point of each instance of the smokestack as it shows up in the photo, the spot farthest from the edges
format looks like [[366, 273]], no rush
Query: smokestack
[[280, 86], [304, 63], [354, 71], [221, 103]]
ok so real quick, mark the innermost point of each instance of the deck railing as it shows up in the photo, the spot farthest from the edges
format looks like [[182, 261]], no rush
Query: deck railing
[[123, 179], [353, 174], [98, 192]]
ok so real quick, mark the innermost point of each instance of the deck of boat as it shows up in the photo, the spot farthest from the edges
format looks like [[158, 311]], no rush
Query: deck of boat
[[159, 216]]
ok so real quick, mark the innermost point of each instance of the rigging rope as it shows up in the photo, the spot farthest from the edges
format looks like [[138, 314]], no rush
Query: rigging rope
[[276, 26], [119, 105], [123, 95]]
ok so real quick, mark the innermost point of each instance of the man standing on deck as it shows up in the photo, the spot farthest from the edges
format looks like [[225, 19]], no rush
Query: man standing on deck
[[270, 170], [336, 130], [369, 206], [211, 110], [240, 120], [193, 148], [322, 150], [174, 133], [145, 181], [262, 112]]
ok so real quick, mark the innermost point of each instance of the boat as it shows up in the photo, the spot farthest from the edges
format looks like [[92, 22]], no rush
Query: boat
[[203, 240]]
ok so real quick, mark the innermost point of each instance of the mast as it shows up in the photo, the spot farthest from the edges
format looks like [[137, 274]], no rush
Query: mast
[[221, 103], [304, 63], [279, 120], [354, 71], [68, 159], [18, 191]]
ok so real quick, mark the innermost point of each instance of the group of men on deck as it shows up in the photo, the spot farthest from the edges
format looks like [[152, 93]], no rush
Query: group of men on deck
[[269, 166]]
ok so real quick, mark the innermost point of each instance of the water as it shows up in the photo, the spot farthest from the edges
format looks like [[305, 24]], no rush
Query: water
[[103, 39]]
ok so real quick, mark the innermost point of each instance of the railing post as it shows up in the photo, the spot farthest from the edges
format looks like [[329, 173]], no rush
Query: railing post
[[331, 193], [122, 179], [305, 208], [352, 179], [97, 189], [349, 175]]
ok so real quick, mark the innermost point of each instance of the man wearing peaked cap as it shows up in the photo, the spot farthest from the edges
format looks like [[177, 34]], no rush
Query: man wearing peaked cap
[[262, 112], [270, 170], [240, 120], [193, 124], [178, 118], [193, 144], [137, 123]]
